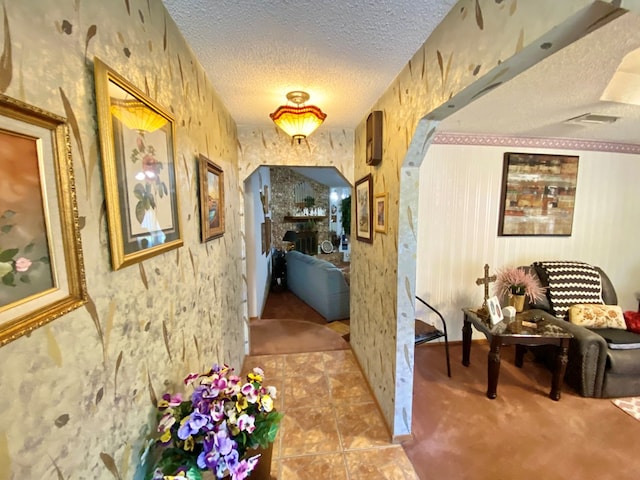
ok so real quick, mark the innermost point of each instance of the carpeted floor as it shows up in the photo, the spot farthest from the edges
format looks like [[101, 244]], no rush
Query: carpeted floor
[[280, 336], [459, 434]]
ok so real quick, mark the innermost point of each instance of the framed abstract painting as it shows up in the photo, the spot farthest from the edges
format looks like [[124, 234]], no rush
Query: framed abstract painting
[[538, 194], [138, 167]]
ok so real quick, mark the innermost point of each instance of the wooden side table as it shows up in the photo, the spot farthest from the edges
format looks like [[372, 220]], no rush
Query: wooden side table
[[544, 333]]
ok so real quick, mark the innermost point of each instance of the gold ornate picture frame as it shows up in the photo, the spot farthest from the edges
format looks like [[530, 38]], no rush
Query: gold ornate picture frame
[[211, 199], [139, 173], [41, 266]]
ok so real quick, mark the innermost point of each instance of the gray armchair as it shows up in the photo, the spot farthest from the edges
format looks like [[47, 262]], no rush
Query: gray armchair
[[595, 369]]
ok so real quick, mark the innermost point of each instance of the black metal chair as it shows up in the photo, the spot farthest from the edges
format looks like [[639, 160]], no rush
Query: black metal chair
[[426, 332]]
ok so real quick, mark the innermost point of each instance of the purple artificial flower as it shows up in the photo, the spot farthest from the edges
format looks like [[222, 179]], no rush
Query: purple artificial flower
[[250, 392], [244, 468], [192, 425], [190, 378], [222, 443]]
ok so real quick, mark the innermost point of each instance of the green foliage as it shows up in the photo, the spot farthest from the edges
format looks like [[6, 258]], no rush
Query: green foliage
[[345, 212]]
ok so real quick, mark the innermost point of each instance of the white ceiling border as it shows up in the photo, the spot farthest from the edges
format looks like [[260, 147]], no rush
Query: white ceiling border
[[535, 142]]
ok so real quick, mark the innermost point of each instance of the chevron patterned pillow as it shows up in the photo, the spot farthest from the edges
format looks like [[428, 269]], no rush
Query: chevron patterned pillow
[[570, 283]]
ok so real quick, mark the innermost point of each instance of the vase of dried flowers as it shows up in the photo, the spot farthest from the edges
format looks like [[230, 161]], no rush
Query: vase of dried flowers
[[518, 284]]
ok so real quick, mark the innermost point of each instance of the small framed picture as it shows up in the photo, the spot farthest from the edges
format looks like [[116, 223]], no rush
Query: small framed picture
[[380, 212], [495, 312]]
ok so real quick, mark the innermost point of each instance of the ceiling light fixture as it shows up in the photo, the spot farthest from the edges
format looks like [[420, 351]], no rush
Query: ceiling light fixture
[[299, 120]]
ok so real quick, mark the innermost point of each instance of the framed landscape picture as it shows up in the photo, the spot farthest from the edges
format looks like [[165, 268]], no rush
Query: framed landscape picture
[[138, 166], [41, 265], [211, 199], [364, 207], [538, 194], [380, 212]]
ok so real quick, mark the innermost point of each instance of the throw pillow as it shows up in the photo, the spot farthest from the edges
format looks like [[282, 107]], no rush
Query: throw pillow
[[632, 319], [570, 283], [597, 316]]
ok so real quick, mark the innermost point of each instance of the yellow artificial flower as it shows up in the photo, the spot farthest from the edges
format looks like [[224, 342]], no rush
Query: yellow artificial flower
[[267, 403], [189, 443], [166, 436], [254, 377], [241, 403]]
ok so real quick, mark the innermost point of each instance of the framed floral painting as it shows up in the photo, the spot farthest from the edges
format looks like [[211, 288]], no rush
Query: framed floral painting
[[41, 266], [138, 165], [211, 199], [364, 207]]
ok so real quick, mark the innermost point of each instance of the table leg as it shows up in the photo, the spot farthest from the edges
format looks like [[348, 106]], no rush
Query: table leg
[[560, 368], [520, 351], [466, 341], [493, 368]]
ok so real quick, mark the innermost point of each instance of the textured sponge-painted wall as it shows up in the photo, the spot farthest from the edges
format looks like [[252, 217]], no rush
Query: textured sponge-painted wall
[[77, 394]]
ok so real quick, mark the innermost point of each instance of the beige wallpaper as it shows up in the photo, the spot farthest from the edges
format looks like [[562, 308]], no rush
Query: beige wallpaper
[[270, 146], [479, 45], [77, 394]]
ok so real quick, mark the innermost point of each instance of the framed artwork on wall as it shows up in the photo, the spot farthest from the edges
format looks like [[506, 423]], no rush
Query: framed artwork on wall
[[211, 199], [538, 194], [364, 207], [380, 211], [41, 265], [138, 168]]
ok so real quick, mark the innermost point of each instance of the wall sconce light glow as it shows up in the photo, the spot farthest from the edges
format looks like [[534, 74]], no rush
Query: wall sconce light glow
[[299, 120]]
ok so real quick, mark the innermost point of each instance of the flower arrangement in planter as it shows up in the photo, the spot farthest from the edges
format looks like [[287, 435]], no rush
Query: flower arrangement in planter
[[515, 281], [217, 429]]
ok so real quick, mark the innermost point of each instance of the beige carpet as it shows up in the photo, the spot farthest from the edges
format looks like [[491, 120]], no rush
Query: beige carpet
[[629, 405], [271, 337]]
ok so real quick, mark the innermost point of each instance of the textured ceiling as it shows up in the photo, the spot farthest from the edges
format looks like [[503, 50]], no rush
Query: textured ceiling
[[570, 83], [345, 53]]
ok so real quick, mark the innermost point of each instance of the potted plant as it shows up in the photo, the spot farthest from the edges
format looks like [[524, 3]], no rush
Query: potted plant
[[219, 428], [516, 283]]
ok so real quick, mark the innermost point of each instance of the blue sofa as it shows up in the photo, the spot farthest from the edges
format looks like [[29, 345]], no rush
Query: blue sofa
[[319, 284]]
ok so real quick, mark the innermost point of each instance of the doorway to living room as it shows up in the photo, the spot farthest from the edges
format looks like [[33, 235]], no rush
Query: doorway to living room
[[305, 202]]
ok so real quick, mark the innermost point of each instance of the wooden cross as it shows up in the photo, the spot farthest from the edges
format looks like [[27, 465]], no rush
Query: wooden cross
[[486, 280]]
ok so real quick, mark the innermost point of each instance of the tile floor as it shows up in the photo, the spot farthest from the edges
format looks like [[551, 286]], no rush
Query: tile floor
[[332, 428]]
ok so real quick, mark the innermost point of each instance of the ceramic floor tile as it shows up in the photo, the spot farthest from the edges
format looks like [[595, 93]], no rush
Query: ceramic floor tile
[[301, 364], [349, 386], [340, 361], [310, 390], [309, 430], [309, 467], [389, 463], [272, 365], [361, 426]]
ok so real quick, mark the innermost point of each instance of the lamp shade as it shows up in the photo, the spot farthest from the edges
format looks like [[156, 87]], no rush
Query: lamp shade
[[290, 236], [298, 121]]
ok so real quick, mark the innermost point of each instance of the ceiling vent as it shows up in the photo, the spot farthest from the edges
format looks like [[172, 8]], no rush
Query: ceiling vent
[[592, 119]]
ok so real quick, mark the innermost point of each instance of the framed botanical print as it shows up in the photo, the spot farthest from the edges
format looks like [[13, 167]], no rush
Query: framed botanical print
[[41, 265], [211, 199], [138, 167], [364, 207]]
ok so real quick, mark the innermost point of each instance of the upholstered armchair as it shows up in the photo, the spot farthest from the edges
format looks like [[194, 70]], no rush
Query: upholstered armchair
[[595, 369]]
